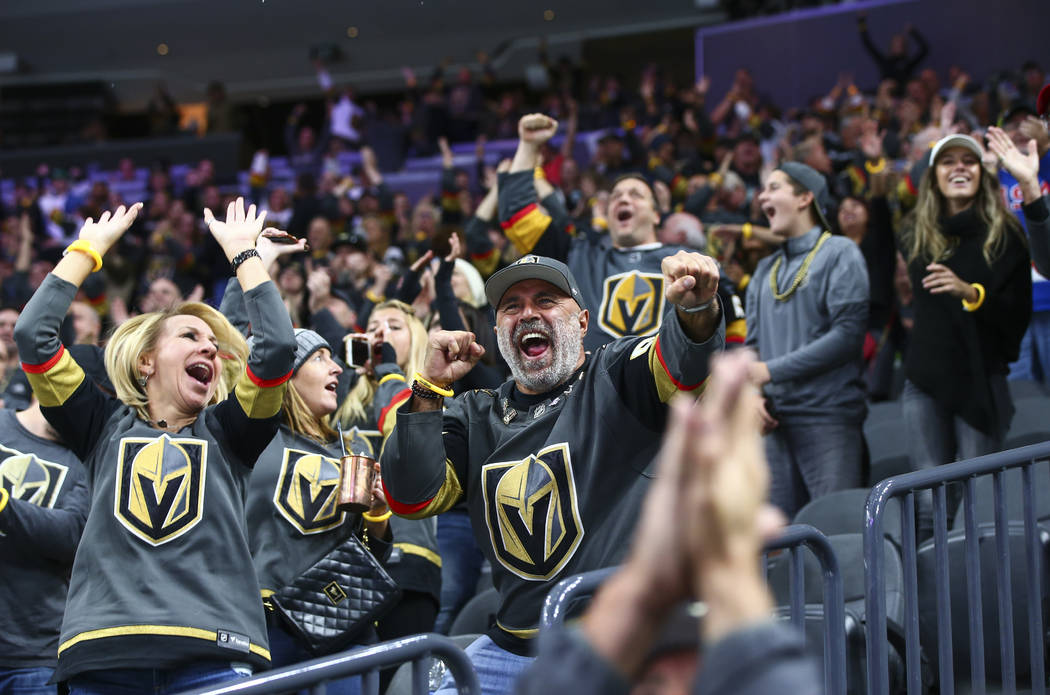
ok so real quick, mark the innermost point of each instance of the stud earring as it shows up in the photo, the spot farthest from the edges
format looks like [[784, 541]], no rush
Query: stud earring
[[143, 378]]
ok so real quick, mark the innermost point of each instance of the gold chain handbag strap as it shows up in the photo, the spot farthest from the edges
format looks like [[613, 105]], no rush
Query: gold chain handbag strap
[[800, 276]]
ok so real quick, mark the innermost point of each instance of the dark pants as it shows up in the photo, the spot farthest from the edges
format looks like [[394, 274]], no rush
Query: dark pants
[[285, 650], [461, 561], [936, 436], [810, 460]]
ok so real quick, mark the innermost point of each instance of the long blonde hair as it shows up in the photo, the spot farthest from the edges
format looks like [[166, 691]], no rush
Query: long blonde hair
[[353, 410], [303, 422], [928, 243], [140, 335]]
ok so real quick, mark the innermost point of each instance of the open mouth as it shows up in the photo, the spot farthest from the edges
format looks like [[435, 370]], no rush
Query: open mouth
[[769, 211], [201, 371], [959, 180], [331, 386], [534, 344], [624, 214]]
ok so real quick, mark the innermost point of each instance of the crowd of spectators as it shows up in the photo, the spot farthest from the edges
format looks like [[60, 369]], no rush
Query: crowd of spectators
[[703, 162]]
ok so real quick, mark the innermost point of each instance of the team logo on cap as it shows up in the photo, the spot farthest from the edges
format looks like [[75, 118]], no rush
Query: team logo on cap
[[30, 479], [308, 491], [527, 259], [160, 486], [632, 304], [531, 512]]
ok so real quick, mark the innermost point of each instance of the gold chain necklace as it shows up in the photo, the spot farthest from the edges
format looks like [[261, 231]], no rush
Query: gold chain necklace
[[800, 276]]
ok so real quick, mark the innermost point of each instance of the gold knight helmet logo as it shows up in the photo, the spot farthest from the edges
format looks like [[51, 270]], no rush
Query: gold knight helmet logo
[[632, 303], [27, 478], [531, 512], [160, 486], [308, 490]]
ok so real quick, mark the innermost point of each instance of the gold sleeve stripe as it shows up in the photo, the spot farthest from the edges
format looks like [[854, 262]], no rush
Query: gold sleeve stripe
[[736, 331], [259, 402], [450, 493], [526, 227], [413, 549], [4, 497], [391, 377], [388, 416], [666, 385], [524, 633], [485, 262], [166, 630], [54, 381]]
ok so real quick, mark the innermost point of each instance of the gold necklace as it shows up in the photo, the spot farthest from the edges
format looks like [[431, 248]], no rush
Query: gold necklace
[[800, 276]]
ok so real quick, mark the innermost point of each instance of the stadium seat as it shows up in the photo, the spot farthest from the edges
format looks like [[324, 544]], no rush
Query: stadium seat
[[849, 550], [1022, 388], [1030, 424], [842, 512], [985, 497], [960, 604], [478, 615]]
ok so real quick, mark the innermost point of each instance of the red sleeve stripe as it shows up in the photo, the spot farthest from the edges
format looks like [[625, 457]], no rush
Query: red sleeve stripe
[[735, 339], [267, 383], [518, 216], [911, 185], [679, 385], [44, 366], [403, 509], [400, 397]]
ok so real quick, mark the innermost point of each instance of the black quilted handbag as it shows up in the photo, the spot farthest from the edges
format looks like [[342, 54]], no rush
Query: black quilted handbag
[[335, 600]]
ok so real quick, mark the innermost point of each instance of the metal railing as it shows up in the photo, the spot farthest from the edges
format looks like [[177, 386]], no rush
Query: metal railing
[[363, 660], [793, 539], [936, 479]]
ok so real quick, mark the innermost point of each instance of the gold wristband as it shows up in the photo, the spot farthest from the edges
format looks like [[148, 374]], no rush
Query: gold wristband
[[877, 167], [746, 231], [376, 519], [374, 298], [538, 173], [4, 497], [84, 246], [446, 392], [975, 305]]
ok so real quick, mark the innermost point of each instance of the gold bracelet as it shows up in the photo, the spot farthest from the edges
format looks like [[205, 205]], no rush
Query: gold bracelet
[[975, 305], [538, 173], [446, 392], [746, 231], [84, 246], [877, 167], [376, 519]]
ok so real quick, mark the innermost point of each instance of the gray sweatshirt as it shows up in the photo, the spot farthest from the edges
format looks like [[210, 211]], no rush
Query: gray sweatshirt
[[812, 341]]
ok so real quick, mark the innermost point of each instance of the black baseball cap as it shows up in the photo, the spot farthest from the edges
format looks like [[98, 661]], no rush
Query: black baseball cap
[[814, 182], [532, 267]]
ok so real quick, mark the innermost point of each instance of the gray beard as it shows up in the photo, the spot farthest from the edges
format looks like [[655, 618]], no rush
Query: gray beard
[[558, 365]]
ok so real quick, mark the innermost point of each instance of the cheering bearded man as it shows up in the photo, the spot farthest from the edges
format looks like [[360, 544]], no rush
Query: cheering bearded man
[[555, 463]]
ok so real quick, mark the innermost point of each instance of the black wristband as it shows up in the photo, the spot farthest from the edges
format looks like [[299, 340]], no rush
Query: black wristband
[[425, 393], [241, 258]]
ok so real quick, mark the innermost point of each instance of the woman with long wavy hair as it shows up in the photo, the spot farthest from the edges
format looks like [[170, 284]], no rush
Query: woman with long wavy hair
[[969, 265], [288, 533], [398, 346]]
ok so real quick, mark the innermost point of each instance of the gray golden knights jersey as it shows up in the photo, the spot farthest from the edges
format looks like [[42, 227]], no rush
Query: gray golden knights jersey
[[40, 524], [553, 486], [163, 575], [622, 288]]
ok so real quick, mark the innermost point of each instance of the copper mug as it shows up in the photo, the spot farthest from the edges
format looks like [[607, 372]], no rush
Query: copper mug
[[355, 483]]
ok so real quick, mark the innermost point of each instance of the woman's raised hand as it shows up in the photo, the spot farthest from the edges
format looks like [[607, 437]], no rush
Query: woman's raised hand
[[109, 228], [240, 230]]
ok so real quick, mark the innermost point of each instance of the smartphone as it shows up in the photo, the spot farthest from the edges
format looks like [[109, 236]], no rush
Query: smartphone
[[281, 237], [358, 351]]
